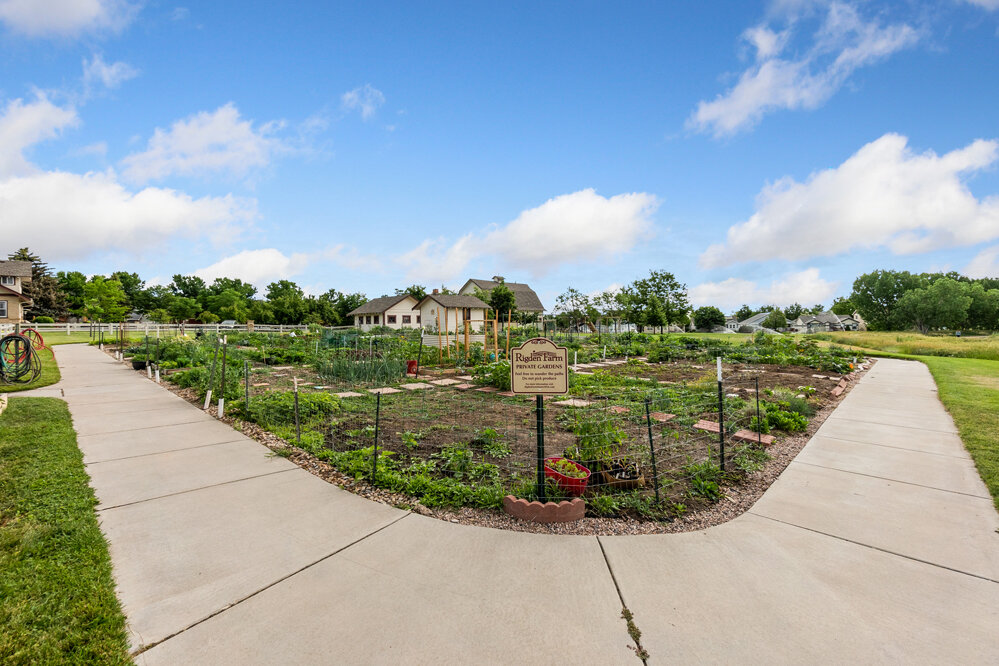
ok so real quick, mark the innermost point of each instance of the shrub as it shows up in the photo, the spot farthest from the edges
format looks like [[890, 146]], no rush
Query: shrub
[[44, 320]]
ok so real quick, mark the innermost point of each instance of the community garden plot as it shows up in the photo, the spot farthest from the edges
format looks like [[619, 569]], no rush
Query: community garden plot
[[654, 440]]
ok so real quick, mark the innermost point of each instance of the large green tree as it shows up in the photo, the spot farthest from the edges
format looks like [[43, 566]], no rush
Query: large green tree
[[288, 302], [72, 284], [744, 313], [875, 295], [502, 301], [707, 317], [44, 289], [104, 300], [775, 320], [417, 291], [942, 304]]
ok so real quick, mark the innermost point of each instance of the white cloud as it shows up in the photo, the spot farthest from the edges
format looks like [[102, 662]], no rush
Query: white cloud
[[64, 215], [843, 43], [217, 141], [24, 124], [990, 5], [569, 228], [65, 18], [806, 287], [366, 99], [882, 196], [984, 264], [97, 72], [180, 13], [258, 267]]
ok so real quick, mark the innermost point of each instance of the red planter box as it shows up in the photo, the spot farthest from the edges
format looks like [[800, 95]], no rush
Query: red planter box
[[574, 487]]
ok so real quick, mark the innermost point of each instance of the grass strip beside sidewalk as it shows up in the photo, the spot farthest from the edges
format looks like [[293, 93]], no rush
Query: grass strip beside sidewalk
[[57, 601]]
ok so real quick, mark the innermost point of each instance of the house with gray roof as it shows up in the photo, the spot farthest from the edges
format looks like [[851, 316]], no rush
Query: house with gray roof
[[825, 322], [449, 312], [524, 297], [14, 275], [392, 311]]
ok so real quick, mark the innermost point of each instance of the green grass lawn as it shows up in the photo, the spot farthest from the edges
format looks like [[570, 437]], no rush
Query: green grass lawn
[[50, 375], [57, 601], [907, 342], [969, 388]]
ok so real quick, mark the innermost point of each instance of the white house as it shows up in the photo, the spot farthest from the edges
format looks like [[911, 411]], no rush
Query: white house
[[449, 312], [825, 322], [391, 311]]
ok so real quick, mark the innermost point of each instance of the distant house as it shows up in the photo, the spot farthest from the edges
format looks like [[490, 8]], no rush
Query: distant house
[[13, 276], [755, 322], [732, 323], [825, 322], [524, 297], [449, 312], [391, 311]]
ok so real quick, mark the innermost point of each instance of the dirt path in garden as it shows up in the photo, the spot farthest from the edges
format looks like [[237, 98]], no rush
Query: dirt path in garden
[[877, 543]]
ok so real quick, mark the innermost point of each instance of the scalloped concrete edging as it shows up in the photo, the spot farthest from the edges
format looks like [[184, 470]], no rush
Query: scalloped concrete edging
[[549, 512]]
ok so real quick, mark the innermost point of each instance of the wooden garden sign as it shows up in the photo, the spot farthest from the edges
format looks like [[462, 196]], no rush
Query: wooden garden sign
[[539, 367]]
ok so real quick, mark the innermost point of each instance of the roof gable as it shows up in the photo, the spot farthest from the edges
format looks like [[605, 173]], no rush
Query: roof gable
[[525, 298], [453, 301], [15, 268], [380, 305]]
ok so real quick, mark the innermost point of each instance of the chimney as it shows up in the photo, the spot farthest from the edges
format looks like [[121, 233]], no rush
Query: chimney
[[499, 278], [436, 292]]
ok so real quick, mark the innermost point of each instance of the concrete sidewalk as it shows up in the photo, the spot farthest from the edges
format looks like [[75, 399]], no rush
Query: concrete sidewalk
[[877, 544]]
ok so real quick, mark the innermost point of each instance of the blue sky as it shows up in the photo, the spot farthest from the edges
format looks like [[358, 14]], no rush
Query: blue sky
[[762, 152]]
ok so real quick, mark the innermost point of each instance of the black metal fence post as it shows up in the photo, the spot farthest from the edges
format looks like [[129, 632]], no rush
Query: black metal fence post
[[374, 457], [298, 424], [246, 386], [147, 352], [652, 449], [759, 424], [721, 419], [539, 408]]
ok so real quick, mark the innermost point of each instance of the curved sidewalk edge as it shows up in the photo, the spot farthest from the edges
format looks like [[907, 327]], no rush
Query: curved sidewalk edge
[[878, 543]]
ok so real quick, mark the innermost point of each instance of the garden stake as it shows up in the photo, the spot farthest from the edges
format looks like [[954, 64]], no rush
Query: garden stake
[[721, 419], [652, 450], [539, 408], [246, 385], [298, 427], [374, 458], [225, 346], [759, 424], [211, 376], [419, 357]]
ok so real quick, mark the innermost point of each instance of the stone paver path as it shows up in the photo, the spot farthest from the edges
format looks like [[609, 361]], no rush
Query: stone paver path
[[877, 544]]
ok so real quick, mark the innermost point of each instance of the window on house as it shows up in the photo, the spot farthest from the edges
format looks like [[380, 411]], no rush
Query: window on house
[[407, 319], [391, 318], [417, 319], [466, 314], [376, 319], [3, 309], [367, 320], [8, 280]]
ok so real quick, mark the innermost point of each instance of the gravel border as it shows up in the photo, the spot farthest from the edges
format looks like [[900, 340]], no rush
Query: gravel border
[[736, 498]]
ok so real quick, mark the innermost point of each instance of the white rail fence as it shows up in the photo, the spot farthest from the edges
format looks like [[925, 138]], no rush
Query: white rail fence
[[151, 329]]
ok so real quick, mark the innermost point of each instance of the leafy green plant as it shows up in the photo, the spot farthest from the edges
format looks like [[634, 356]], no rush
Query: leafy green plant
[[565, 468]]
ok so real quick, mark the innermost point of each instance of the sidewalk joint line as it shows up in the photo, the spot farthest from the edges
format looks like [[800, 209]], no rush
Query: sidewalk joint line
[[890, 425], [158, 453], [162, 425], [885, 478], [877, 548], [144, 648], [102, 509], [887, 446], [625, 611]]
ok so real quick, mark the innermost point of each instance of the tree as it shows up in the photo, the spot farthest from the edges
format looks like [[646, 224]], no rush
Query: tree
[[44, 290], [655, 313], [943, 304], [72, 284], [875, 295], [132, 286], [794, 311], [502, 301], [261, 312], [230, 304], [775, 320], [188, 286], [575, 306], [744, 313], [288, 301], [182, 308], [707, 317], [672, 294], [983, 311], [417, 291], [842, 306], [221, 284], [104, 300]]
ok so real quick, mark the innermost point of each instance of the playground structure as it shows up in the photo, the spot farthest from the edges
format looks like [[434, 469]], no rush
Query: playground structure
[[19, 359]]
